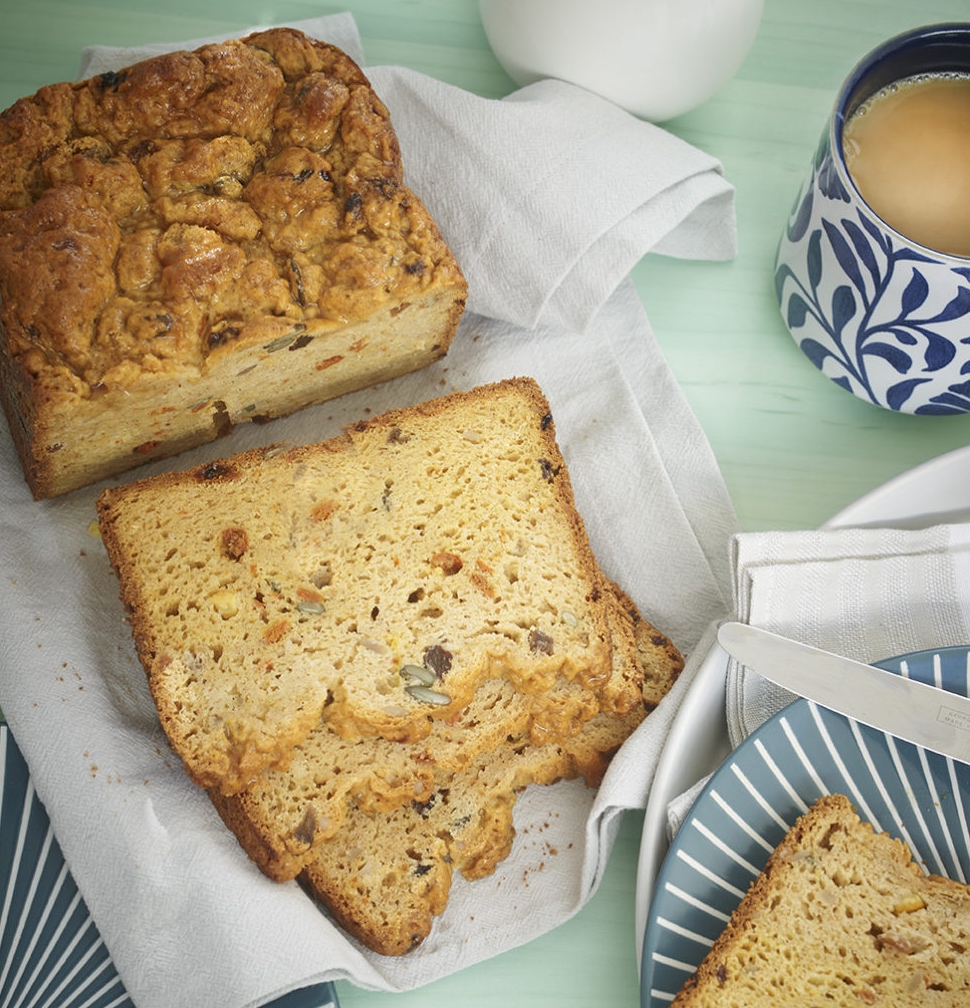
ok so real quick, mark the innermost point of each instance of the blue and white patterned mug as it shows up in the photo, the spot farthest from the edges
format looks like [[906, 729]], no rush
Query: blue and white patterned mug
[[881, 315]]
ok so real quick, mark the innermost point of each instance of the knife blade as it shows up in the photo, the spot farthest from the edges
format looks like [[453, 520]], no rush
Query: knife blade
[[913, 711]]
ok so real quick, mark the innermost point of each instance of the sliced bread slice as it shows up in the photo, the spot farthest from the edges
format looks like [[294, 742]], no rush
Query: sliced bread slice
[[283, 816], [841, 915], [270, 589], [385, 877]]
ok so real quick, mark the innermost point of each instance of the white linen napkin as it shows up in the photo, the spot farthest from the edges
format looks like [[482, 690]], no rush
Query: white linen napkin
[[180, 907], [867, 593]]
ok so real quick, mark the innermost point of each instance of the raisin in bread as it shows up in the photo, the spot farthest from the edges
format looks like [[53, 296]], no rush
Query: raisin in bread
[[202, 239], [841, 915], [285, 815], [438, 542]]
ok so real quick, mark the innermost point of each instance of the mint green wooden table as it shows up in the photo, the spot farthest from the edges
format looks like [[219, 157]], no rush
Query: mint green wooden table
[[793, 448]]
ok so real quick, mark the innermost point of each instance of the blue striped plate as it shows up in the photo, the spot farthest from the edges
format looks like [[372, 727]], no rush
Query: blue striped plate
[[802, 753], [51, 955]]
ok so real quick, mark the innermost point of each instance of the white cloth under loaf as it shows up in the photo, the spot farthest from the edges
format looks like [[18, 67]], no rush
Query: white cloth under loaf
[[179, 905]]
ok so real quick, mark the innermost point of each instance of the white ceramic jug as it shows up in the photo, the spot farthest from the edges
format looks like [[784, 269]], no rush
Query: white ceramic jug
[[655, 58]]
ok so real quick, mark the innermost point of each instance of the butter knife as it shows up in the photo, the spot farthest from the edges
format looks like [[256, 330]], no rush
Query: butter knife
[[913, 711]]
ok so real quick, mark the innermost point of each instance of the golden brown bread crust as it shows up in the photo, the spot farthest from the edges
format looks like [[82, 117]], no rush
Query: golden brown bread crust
[[171, 233], [660, 661]]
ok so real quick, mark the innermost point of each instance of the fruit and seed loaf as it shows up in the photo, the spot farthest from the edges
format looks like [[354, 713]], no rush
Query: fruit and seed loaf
[[841, 916], [375, 580], [202, 239], [384, 878], [365, 648]]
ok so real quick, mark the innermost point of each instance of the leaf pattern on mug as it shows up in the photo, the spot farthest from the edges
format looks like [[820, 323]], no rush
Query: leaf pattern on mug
[[854, 325], [939, 351], [957, 308], [844, 254], [897, 395], [863, 248], [829, 183], [814, 260], [896, 357], [955, 400], [801, 217], [843, 308], [797, 311], [915, 293], [815, 352]]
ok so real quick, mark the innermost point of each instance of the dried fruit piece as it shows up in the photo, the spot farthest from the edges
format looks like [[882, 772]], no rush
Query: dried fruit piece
[[234, 542], [438, 660], [450, 563], [539, 642]]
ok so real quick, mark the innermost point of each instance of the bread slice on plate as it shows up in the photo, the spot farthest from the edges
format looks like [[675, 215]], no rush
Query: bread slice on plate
[[375, 580], [203, 239], [841, 915]]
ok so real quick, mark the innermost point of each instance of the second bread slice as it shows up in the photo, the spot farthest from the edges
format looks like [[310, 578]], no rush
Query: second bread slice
[[385, 877], [841, 915], [284, 816]]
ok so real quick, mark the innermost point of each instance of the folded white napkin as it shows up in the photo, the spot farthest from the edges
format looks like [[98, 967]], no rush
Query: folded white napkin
[[867, 593], [188, 920]]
